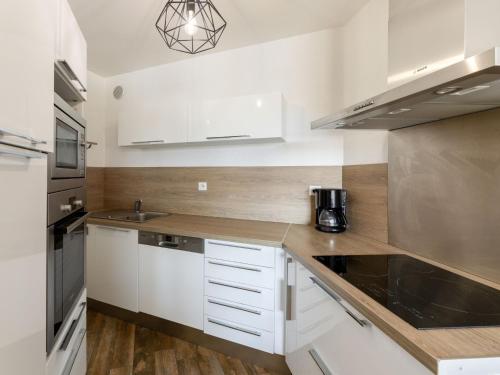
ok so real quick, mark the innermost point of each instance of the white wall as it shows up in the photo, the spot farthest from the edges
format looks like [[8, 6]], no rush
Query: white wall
[[424, 33], [365, 52], [481, 26], [94, 111], [304, 68], [365, 62], [317, 73]]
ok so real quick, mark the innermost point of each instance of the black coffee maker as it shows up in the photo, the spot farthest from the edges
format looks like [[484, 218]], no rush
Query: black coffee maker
[[331, 210]]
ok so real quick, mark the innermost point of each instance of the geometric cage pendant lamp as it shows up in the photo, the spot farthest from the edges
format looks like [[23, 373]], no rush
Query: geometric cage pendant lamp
[[190, 26]]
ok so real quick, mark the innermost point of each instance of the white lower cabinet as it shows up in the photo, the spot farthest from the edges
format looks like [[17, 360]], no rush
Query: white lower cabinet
[[243, 294], [112, 266], [240, 333], [326, 335], [171, 284]]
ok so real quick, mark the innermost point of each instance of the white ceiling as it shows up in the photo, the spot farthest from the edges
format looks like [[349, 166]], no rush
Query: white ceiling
[[121, 36]]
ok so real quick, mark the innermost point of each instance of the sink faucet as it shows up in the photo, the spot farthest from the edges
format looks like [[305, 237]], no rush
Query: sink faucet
[[138, 205]]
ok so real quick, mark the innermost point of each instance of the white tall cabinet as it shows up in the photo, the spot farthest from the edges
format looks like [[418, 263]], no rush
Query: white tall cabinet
[[71, 49], [26, 111], [27, 71]]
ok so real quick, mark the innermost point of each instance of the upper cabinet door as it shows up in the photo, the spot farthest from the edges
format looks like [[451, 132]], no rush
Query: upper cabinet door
[[238, 118], [27, 72], [156, 121], [71, 48]]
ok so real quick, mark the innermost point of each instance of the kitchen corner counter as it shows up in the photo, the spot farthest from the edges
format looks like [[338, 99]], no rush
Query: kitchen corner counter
[[303, 241], [428, 346], [248, 231]]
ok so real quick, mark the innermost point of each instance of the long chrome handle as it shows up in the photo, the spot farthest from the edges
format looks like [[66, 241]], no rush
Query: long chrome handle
[[331, 293], [235, 266], [236, 246], [72, 328], [319, 362], [22, 154], [230, 137], [32, 140], [113, 228], [148, 142], [289, 286], [231, 306], [236, 328], [235, 286], [71, 74]]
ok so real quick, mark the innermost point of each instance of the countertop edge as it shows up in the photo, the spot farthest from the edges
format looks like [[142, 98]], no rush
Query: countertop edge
[[180, 232]]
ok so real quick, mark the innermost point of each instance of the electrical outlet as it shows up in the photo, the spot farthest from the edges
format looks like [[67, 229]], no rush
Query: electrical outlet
[[202, 186], [312, 187]]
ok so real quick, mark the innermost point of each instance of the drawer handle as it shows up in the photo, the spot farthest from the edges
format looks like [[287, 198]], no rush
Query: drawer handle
[[229, 137], [331, 293], [114, 229], [147, 142], [319, 362], [235, 286], [237, 246], [236, 328], [234, 266], [234, 307]]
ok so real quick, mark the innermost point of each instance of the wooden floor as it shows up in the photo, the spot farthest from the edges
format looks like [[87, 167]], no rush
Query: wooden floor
[[115, 347]]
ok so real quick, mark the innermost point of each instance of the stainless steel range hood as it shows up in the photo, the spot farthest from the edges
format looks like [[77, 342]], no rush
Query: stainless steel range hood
[[472, 85]]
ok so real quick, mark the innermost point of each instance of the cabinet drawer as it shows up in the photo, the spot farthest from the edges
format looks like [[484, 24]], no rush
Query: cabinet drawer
[[240, 252], [238, 313], [242, 293], [240, 273], [239, 333]]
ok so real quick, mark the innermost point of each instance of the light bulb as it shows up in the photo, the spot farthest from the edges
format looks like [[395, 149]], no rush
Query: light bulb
[[191, 26]]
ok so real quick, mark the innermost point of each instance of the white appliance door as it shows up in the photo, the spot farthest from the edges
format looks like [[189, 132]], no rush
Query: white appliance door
[[23, 227]]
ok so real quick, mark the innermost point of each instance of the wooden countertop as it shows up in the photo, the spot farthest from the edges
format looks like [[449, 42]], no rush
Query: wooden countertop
[[302, 242], [428, 346], [247, 231]]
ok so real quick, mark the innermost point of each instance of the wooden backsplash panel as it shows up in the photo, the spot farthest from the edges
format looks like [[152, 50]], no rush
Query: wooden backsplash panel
[[95, 188], [256, 193], [366, 187]]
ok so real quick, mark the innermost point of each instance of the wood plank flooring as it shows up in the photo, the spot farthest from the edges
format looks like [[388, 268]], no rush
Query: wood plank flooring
[[116, 347]]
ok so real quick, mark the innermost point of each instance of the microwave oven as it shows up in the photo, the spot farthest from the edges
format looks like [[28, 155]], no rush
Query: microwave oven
[[66, 165]]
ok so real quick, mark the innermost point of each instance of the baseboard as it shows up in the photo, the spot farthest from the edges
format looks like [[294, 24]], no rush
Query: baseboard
[[273, 362]]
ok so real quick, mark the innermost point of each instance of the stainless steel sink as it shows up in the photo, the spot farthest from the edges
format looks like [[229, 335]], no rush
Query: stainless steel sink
[[128, 215]]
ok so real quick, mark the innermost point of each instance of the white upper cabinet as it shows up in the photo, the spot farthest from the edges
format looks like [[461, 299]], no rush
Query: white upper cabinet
[[238, 118], [152, 121], [26, 74], [145, 119], [71, 49]]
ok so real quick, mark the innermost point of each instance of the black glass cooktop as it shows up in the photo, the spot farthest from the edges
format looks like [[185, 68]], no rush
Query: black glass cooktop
[[423, 295]]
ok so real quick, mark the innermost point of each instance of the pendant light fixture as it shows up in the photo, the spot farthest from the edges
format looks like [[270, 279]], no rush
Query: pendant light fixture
[[190, 26]]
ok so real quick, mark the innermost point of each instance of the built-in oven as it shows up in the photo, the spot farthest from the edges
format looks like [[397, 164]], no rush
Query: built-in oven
[[66, 258], [67, 162]]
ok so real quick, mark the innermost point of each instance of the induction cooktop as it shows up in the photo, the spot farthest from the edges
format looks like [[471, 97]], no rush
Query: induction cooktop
[[425, 296]]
